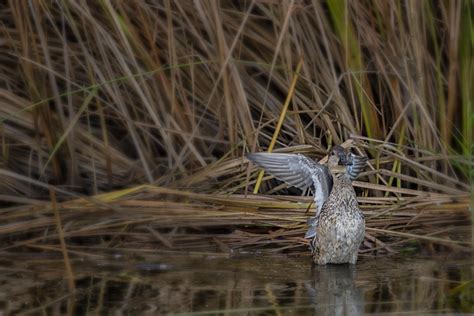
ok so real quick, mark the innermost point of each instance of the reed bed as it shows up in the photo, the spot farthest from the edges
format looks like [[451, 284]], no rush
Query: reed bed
[[130, 121], [147, 218]]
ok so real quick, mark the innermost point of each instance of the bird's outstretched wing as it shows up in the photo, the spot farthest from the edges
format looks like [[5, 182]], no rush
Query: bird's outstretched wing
[[355, 165], [301, 172], [295, 169]]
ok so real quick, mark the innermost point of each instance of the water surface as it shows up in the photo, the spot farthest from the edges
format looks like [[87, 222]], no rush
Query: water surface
[[249, 285]]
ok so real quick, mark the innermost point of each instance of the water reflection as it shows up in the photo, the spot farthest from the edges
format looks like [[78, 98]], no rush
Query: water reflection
[[237, 286], [333, 290]]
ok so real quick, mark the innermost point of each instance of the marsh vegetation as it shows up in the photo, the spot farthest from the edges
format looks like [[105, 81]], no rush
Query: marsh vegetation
[[124, 125]]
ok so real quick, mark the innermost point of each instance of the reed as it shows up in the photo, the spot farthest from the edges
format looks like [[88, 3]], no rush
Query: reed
[[139, 115]]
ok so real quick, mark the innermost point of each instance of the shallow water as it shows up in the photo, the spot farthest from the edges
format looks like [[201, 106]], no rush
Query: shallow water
[[254, 285]]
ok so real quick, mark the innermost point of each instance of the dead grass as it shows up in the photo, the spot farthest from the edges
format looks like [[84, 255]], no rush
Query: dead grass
[[139, 116]]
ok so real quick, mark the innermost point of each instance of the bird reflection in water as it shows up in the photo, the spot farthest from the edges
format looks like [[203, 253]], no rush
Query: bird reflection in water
[[333, 290]]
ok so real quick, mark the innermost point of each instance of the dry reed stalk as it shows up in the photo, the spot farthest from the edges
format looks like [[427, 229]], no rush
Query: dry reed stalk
[[67, 263], [284, 110]]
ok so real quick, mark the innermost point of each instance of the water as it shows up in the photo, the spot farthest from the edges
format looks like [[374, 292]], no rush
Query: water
[[253, 285]]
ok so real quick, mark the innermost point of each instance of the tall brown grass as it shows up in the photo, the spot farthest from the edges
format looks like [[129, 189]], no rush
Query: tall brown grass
[[97, 96]]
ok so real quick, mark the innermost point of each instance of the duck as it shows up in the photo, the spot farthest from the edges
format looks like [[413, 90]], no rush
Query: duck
[[337, 229], [341, 223]]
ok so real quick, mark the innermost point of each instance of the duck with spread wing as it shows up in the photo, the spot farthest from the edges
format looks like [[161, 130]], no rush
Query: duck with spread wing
[[338, 227]]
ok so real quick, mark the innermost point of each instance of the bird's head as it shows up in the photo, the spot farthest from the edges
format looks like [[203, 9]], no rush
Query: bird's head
[[337, 160]]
